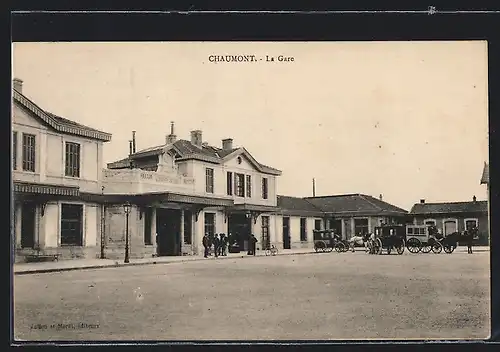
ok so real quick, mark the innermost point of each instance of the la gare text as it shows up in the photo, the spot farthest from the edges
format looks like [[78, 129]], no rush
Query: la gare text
[[250, 58]]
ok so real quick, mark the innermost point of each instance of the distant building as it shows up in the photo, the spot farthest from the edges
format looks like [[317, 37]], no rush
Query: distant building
[[450, 217], [354, 214], [56, 170]]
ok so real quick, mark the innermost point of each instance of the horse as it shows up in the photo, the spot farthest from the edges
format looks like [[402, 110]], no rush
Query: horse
[[359, 240]]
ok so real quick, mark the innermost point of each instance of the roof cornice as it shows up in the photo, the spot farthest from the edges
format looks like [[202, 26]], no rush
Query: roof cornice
[[75, 130]]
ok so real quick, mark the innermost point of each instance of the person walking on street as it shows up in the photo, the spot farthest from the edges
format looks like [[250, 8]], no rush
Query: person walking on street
[[470, 238], [223, 244], [252, 244], [206, 244], [216, 245]]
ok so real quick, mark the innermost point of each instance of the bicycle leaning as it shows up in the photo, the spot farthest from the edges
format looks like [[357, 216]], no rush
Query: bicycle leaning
[[271, 250]]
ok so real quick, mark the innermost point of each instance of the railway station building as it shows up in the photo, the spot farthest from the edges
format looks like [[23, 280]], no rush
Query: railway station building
[[165, 197]]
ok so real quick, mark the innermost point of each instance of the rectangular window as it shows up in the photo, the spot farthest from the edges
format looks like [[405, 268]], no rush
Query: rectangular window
[[72, 167], [303, 229], [229, 182], [71, 224], [430, 222], [239, 184], [266, 240], [317, 224], [249, 186], [14, 150], [360, 227], [29, 146], [469, 224], [210, 224], [264, 188], [148, 221], [209, 177]]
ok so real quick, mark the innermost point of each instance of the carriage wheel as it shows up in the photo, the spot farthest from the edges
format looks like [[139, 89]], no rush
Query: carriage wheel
[[426, 248], [339, 247], [437, 247], [413, 245], [268, 252], [400, 248], [319, 246]]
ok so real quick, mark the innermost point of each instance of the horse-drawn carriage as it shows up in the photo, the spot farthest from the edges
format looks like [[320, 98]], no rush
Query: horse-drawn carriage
[[425, 238], [328, 240], [421, 238], [388, 237]]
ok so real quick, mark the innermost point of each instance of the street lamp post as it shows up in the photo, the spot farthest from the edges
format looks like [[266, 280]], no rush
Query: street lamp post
[[126, 207]]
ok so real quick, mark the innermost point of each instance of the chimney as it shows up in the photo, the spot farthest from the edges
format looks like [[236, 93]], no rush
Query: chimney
[[17, 84], [380, 197], [171, 138], [196, 138], [133, 141], [422, 201], [227, 144], [130, 147], [473, 198], [314, 187]]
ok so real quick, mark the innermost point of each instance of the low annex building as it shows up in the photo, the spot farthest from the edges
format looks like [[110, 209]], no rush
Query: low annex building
[[450, 217], [355, 214]]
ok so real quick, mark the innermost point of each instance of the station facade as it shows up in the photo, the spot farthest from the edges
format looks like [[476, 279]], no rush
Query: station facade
[[66, 203]]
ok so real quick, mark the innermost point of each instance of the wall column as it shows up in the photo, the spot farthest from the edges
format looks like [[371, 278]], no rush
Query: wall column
[[153, 230], [17, 224], [370, 224], [182, 233], [194, 234]]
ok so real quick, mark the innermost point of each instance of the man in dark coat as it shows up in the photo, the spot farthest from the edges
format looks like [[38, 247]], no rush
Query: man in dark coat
[[216, 242], [252, 244], [223, 244], [206, 244], [469, 238]]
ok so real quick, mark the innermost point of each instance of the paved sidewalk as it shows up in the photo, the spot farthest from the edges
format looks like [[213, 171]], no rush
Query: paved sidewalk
[[80, 264]]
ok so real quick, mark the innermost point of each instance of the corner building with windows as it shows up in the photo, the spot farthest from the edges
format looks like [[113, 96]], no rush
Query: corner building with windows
[[56, 170]]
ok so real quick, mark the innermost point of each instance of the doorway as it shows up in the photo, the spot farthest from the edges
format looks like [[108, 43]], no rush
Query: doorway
[[168, 227], [336, 225], [239, 226], [28, 221], [286, 233]]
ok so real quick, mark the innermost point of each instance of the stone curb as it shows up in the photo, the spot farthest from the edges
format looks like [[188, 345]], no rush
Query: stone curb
[[119, 265]]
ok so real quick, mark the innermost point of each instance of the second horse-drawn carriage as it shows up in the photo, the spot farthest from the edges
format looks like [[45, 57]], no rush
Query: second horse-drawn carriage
[[328, 240], [425, 238], [387, 237]]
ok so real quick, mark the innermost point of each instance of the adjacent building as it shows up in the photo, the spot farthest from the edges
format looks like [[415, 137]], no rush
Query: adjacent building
[[56, 169], [450, 217]]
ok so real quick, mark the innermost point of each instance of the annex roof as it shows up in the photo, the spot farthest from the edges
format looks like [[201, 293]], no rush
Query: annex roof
[[450, 207], [356, 203]]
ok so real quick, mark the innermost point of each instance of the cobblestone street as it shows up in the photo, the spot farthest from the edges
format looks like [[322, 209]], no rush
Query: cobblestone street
[[310, 296]]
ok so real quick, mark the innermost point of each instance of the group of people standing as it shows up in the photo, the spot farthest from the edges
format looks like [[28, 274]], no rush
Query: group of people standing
[[220, 242]]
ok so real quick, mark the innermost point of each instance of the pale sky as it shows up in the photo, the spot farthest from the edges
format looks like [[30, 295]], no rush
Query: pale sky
[[408, 120]]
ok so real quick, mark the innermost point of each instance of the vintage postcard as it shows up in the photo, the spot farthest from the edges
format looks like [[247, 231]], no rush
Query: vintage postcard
[[174, 191]]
